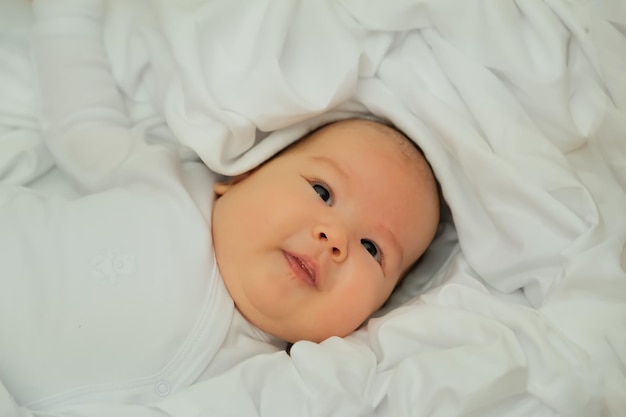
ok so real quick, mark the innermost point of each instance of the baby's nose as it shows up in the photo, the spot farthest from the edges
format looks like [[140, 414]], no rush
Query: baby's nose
[[335, 239]]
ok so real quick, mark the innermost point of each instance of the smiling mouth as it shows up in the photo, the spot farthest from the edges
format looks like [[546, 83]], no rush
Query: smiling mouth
[[301, 269]]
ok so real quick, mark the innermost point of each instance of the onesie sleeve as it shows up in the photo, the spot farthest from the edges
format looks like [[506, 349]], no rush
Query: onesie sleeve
[[83, 118]]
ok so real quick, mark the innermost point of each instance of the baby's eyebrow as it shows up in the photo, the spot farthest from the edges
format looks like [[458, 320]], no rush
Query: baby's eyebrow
[[332, 164]]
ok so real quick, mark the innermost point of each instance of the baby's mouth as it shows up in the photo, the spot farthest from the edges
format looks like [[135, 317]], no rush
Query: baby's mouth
[[302, 269]]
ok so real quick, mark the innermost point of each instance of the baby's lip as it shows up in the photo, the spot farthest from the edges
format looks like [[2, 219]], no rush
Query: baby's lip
[[303, 267]]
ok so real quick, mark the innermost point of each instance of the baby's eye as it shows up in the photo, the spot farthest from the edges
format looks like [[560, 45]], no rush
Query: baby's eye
[[323, 192], [372, 248]]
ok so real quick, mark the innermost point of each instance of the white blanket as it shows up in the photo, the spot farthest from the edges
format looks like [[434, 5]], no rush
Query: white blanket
[[519, 309]]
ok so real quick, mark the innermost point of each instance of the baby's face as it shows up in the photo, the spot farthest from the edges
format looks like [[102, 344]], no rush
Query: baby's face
[[314, 241]]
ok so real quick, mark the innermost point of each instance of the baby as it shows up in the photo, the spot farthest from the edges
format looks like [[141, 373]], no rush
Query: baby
[[151, 276], [314, 241]]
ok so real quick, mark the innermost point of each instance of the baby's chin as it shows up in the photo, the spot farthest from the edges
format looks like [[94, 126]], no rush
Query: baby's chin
[[300, 332]]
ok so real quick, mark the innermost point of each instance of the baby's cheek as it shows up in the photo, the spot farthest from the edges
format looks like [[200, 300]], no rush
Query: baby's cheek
[[358, 307]]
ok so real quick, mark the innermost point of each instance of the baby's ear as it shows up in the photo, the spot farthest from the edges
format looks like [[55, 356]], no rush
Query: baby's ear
[[220, 188]]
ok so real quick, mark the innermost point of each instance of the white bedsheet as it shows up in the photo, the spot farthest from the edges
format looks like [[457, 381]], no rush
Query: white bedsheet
[[520, 107]]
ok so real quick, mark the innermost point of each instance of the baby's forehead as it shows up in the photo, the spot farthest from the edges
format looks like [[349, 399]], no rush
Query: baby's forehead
[[351, 130], [391, 136], [366, 137], [405, 144], [369, 140]]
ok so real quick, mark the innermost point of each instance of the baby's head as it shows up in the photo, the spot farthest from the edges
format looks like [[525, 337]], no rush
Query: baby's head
[[313, 241]]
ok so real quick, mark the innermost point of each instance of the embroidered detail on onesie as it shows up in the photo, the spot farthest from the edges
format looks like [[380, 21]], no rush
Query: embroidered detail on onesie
[[112, 265]]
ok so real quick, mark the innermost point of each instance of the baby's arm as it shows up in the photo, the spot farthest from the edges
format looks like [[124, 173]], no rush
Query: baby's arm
[[83, 117]]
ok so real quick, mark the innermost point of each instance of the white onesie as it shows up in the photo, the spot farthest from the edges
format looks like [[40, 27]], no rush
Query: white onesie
[[114, 295]]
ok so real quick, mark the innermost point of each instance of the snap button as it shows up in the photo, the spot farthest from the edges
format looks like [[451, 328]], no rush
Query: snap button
[[163, 388]]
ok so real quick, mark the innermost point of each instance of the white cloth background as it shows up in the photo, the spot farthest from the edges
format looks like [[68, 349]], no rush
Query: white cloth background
[[520, 107]]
